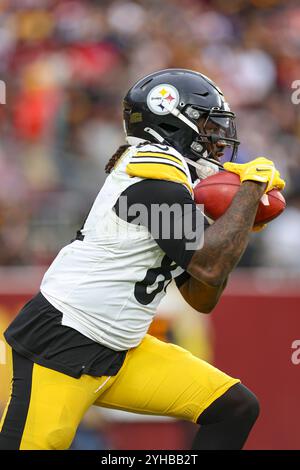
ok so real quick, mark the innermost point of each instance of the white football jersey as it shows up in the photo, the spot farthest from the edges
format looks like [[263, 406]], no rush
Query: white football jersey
[[108, 285]]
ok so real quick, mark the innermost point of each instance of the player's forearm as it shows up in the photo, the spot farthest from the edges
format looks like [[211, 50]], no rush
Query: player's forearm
[[200, 296], [227, 239]]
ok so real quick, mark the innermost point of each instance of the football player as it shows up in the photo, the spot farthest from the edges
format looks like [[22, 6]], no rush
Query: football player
[[82, 340]]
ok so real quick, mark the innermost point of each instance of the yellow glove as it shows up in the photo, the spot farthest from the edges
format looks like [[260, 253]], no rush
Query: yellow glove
[[261, 170], [259, 227]]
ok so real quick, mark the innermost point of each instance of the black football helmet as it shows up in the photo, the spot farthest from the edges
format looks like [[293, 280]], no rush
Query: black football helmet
[[183, 109]]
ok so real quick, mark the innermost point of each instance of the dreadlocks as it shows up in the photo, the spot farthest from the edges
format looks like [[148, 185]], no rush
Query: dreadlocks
[[113, 160]]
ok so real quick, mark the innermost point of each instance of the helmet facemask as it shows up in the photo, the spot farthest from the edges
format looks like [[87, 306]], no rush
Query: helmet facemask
[[216, 139]]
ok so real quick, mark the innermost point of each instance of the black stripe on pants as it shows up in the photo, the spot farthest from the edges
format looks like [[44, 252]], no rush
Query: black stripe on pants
[[15, 420]]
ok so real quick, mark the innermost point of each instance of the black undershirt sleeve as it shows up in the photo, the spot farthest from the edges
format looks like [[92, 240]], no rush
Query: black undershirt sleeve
[[181, 279], [169, 212]]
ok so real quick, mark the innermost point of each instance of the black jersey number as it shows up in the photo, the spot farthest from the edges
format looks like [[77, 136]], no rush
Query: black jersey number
[[144, 290]]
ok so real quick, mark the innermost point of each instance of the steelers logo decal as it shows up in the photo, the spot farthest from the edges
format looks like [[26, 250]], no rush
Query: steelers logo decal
[[162, 99]]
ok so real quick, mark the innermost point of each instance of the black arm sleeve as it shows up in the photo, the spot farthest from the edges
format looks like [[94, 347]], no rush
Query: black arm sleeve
[[181, 279], [170, 214]]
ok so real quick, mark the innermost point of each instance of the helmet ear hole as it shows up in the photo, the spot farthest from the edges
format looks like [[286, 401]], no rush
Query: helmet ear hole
[[168, 128]]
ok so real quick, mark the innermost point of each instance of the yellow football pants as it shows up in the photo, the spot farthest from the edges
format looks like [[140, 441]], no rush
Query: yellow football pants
[[156, 378]]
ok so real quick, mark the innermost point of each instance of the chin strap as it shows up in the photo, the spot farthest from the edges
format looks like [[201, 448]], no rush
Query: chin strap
[[155, 134], [204, 168]]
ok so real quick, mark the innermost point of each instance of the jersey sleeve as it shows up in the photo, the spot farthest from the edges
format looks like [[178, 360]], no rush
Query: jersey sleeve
[[182, 235], [159, 162]]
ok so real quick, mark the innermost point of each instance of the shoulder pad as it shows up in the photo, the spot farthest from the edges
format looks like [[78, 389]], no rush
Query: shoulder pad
[[157, 161]]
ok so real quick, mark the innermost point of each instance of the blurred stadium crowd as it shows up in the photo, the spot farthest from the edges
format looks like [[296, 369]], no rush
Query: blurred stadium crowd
[[67, 65]]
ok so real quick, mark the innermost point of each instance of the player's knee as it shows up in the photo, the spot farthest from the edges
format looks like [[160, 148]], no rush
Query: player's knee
[[238, 402], [246, 404]]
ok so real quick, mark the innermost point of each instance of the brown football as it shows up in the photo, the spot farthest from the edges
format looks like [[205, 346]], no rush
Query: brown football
[[217, 191]]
